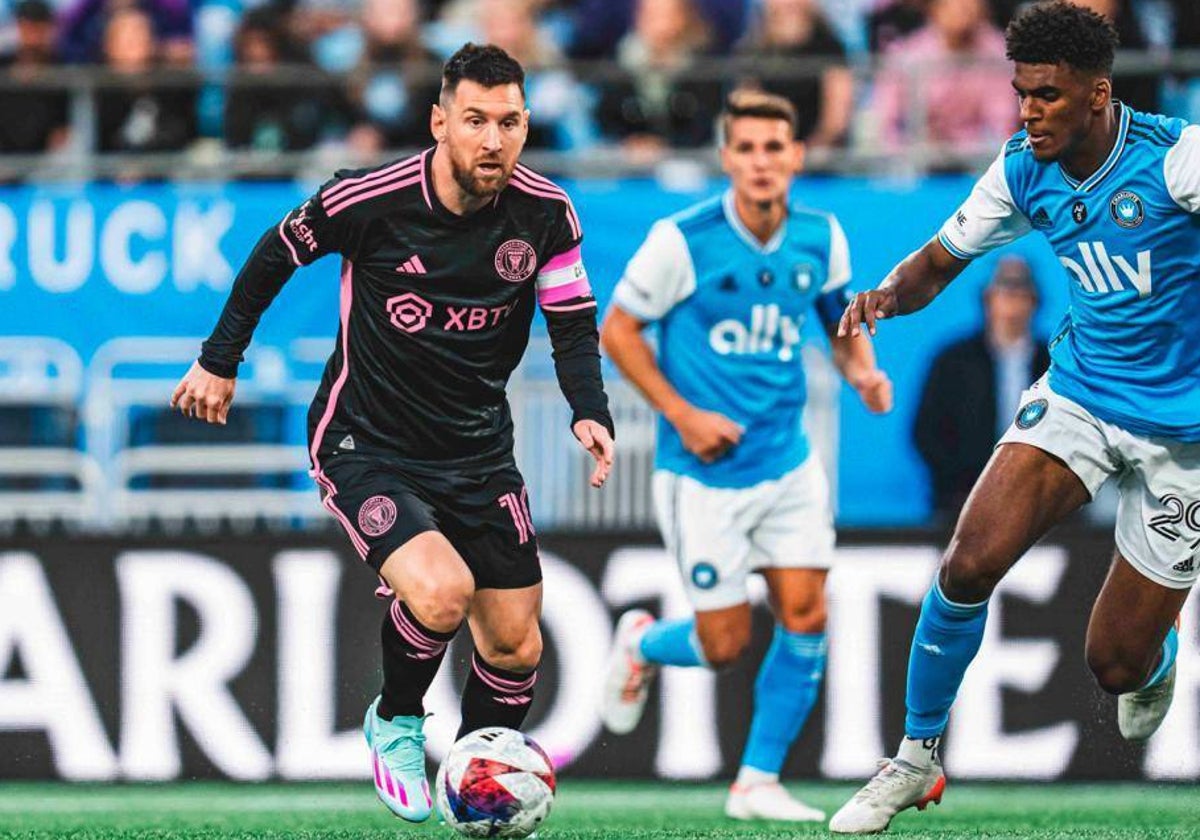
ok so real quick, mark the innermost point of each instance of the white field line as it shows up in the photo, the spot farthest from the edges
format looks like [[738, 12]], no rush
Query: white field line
[[138, 801]]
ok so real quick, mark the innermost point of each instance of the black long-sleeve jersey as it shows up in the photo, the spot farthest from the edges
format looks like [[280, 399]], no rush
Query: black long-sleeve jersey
[[435, 311]]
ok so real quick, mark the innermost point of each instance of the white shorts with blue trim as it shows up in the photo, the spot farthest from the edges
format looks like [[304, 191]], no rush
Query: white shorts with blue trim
[[718, 535], [1158, 515]]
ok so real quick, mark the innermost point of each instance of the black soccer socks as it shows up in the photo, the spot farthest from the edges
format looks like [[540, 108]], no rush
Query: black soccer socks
[[411, 656], [495, 697]]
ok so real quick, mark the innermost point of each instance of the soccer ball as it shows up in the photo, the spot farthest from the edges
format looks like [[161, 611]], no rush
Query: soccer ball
[[495, 782]]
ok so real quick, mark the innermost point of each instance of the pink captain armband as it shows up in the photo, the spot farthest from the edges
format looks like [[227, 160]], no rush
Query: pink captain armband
[[563, 278]]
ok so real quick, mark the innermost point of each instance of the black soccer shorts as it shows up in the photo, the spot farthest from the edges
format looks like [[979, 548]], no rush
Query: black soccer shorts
[[383, 503]]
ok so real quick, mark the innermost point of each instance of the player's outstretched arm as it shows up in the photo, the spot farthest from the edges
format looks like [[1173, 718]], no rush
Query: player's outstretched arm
[[303, 236], [576, 345], [854, 358], [910, 286], [596, 440], [706, 434], [204, 395]]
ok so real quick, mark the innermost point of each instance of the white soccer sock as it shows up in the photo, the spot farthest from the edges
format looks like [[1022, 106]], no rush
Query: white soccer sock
[[920, 752], [751, 776]]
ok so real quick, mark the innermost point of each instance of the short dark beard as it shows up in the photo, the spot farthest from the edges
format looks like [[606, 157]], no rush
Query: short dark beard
[[469, 184]]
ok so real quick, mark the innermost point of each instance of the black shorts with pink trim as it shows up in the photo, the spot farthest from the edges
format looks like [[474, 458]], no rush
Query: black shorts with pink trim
[[383, 503]]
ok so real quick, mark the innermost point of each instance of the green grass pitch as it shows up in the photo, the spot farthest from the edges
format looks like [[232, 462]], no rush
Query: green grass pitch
[[585, 809]]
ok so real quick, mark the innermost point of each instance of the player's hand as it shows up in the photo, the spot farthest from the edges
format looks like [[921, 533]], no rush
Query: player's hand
[[867, 307], [595, 439], [706, 434], [203, 395], [875, 390]]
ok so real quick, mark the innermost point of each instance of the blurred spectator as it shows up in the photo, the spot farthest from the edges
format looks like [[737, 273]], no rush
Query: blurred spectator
[[601, 24], [952, 73], [85, 22], [1186, 14], [893, 20], [395, 81], [310, 22], [656, 104], [271, 117], [142, 115], [36, 117], [974, 387], [849, 20], [557, 106], [796, 29], [1138, 90]]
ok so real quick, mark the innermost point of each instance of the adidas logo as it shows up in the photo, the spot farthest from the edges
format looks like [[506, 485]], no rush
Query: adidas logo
[[412, 265], [1041, 219], [347, 443], [1188, 565]]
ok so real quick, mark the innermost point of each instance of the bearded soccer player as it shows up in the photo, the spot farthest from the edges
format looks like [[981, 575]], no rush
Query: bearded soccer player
[[728, 284], [1115, 192], [411, 437]]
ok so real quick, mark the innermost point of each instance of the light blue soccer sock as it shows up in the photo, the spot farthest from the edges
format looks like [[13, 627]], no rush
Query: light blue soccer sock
[[1170, 648], [672, 643], [788, 683], [947, 638]]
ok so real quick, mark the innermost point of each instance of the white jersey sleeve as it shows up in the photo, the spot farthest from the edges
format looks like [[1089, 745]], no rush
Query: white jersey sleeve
[[659, 275], [987, 219], [1181, 170], [839, 257]]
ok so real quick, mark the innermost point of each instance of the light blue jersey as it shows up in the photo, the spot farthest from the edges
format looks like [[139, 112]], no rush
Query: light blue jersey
[[1128, 349], [731, 315]]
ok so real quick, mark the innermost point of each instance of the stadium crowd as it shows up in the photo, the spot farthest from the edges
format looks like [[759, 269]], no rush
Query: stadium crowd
[[639, 75]]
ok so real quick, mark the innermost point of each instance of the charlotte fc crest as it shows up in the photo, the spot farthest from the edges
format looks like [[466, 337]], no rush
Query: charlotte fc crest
[[1126, 209], [802, 276]]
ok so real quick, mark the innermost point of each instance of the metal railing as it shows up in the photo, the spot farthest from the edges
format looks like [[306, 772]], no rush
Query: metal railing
[[119, 483], [211, 160]]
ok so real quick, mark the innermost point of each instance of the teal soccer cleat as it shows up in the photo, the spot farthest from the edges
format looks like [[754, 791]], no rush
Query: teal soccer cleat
[[398, 762]]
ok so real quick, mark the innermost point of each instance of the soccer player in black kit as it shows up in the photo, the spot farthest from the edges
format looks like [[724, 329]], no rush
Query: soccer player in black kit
[[410, 434]]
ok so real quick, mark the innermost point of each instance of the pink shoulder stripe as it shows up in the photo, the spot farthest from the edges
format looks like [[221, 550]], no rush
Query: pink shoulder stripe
[[379, 190], [348, 183], [555, 194], [532, 178], [537, 178], [349, 195]]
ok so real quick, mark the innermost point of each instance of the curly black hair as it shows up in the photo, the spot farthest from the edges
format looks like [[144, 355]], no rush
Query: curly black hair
[[1054, 31], [484, 64]]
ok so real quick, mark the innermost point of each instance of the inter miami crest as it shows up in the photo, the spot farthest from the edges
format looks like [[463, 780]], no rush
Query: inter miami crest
[[1079, 212], [515, 260]]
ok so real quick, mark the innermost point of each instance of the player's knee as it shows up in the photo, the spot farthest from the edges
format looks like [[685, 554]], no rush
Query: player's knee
[[970, 570], [1115, 674], [810, 619], [721, 649], [439, 606], [514, 655]]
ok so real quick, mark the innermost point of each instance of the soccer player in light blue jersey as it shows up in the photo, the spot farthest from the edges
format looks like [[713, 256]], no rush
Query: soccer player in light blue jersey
[[729, 284], [1116, 193]]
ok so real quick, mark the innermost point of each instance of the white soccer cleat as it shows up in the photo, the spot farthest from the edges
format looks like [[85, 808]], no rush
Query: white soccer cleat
[[627, 684], [1140, 713], [897, 785], [768, 801]]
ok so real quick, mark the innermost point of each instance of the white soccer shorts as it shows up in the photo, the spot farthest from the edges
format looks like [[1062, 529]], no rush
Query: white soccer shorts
[[1158, 515], [718, 535]]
